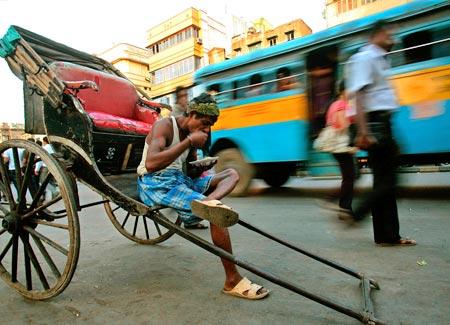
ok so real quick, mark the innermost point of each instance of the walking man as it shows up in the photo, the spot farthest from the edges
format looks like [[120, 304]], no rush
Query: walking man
[[375, 103]]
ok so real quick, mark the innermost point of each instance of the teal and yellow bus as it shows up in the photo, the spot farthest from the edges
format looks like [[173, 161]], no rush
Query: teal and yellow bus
[[273, 100]]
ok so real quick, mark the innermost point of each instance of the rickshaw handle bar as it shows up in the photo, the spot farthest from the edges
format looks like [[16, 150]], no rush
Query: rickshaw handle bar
[[309, 254], [361, 316]]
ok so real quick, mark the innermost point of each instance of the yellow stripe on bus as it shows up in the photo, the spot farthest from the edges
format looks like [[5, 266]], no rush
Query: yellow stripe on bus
[[266, 112], [431, 84]]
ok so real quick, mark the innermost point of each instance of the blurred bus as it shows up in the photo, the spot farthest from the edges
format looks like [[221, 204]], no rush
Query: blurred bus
[[273, 100]]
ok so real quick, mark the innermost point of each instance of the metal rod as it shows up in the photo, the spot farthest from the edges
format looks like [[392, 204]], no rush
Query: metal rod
[[256, 270], [333, 264], [84, 206]]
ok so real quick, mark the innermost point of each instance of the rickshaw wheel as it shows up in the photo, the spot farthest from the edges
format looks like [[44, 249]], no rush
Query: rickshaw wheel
[[232, 158], [30, 235], [141, 229]]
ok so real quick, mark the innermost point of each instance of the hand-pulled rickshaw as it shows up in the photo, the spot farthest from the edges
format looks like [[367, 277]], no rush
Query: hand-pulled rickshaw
[[97, 121]]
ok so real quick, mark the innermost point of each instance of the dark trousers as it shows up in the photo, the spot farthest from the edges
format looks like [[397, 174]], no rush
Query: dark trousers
[[382, 199], [347, 167], [13, 179]]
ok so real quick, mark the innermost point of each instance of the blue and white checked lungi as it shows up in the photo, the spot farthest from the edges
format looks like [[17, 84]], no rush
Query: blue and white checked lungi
[[172, 188]]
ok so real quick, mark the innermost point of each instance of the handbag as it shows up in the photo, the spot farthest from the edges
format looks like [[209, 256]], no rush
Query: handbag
[[333, 140]]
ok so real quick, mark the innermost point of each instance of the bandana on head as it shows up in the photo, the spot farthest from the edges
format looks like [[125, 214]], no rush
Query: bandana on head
[[204, 104]]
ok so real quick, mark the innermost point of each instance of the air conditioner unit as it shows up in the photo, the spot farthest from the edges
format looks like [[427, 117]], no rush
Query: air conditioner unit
[[199, 40]]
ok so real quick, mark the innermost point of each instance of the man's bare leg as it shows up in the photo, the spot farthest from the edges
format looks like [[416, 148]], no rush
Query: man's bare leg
[[222, 184]]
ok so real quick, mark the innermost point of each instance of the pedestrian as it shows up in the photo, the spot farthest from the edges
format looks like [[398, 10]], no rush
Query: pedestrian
[[181, 101], [8, 158], [375, 103], [162, 181], [41, 172], [339, 116]]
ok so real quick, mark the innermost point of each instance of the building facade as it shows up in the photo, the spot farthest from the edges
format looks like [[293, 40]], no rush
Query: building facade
[[132, 61], [342, 11], [10, 131], [178, 47], [262, 35]]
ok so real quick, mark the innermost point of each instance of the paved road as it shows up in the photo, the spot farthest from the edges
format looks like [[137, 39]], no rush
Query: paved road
[[118, 281]]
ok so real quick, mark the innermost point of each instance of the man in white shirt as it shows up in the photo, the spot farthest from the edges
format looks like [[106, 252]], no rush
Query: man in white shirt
[[8, 157], [375, 100], [51, 191]]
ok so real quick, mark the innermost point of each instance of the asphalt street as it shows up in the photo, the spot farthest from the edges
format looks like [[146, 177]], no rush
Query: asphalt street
[[120, 282]]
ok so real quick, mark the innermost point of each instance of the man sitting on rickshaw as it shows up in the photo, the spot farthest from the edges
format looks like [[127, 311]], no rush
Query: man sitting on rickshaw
[[172, 142]]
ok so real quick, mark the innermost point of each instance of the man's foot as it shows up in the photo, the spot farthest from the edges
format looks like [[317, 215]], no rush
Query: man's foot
[[247, 290], [400, 242], [347, 217], [215, 212], [328, 205], [196, 226]]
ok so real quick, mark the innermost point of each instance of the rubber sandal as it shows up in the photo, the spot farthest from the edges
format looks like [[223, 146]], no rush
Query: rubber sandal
[[247, 290], [196, 226], [215, 212]]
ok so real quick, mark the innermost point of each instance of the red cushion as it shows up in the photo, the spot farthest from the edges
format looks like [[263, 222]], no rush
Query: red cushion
[[145, 114], [116, 96], [109, 121]]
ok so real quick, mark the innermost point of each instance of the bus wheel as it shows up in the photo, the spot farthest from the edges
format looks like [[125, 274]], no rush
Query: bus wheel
[[277, 178], [232, 158]]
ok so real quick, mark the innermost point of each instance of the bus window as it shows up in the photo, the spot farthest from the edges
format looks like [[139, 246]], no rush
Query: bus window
[[214, 90], [256, 87], [235, 85], [285, 81], [417, 54], [432, 47]]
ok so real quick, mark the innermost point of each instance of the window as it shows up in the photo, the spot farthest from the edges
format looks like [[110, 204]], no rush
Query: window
[[173, 40], [366, 2], [174, 70], [419, 53], [351, 4], [290, 35], [254, 46], [272, 41], [237, 51]]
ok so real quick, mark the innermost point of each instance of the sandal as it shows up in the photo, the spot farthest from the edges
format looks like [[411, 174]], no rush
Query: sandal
[[400, 242], [247, 290], [215, 212], [196, 226]]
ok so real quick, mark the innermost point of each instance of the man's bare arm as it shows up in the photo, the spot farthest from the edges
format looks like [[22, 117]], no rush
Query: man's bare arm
[[363, 139], [157, 156]]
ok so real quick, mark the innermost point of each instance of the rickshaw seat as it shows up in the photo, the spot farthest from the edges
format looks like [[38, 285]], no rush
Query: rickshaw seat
[[116, 106]]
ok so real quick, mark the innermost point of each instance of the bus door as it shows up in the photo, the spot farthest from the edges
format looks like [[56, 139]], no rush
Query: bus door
[[322, 72]]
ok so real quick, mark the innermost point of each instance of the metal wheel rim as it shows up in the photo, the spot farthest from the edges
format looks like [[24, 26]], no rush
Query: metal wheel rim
[[72, 227], [160, 235]]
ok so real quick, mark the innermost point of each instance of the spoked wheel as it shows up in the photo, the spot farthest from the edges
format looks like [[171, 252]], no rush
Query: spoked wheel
[[39, 232], [141, 229]]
